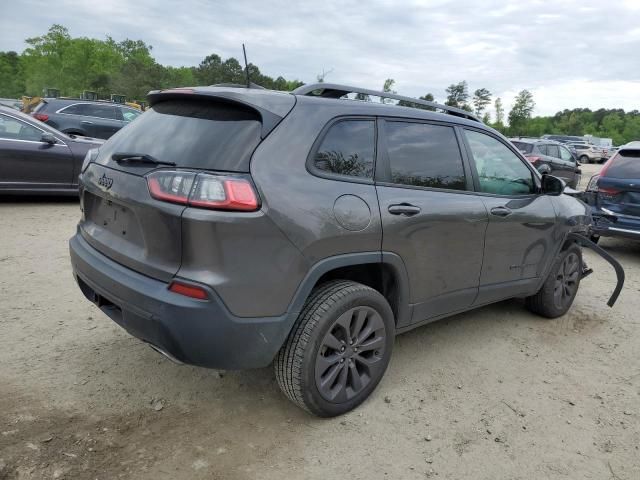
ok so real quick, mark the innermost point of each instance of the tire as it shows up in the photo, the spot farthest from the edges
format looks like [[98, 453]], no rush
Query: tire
[[594, 238], [561, 286], [317, 368], [584, 159]]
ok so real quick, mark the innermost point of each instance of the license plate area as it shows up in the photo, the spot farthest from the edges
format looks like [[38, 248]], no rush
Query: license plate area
[[112, 217]]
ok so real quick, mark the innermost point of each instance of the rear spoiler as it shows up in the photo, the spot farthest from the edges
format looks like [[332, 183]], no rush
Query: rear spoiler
[[272, 107]]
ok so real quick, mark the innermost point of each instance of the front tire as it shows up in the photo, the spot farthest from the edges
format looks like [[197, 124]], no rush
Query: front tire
[[585, 159], [338, 349], [559, 290]]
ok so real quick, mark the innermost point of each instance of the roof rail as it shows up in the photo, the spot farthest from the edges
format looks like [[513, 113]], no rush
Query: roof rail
[[333, 90]]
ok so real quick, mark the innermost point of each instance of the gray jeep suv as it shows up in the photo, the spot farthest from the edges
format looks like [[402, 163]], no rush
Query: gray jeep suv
[[238, 227]]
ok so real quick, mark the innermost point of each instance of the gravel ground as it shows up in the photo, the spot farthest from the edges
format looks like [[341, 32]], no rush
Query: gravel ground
[[490, 394]]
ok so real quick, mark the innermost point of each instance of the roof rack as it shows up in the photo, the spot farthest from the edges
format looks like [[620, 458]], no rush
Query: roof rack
[[333, 90]]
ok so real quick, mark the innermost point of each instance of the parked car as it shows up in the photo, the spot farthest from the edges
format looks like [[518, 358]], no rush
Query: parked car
[[35, 158], [83, 117], [563, 138], [588, 153], [11, 102], [235, 227], [550, 157], [614, 195]]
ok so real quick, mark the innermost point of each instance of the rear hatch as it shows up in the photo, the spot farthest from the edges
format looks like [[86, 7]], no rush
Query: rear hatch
[[208, 129], [619, 183]]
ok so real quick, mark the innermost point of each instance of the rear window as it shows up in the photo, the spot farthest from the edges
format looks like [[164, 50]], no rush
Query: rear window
[[193, 134], [626, 164], [523, 147], [348, 149]]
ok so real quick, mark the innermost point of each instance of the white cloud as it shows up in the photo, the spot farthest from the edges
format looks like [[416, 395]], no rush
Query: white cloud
[[569, 54]]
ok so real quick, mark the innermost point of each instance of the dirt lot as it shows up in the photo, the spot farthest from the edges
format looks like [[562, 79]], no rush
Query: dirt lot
[[491, 394]]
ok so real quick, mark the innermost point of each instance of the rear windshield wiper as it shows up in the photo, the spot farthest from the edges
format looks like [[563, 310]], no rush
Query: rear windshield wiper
[[122, 157]]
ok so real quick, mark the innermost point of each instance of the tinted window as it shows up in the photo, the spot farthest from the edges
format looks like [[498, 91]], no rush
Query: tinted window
[[552, 151], [424, 155], [523, 147], [626, 164], [100, 111], [500, 171], [542, 149], [348, 149], [13, 129], [191, 133], [77, 109]]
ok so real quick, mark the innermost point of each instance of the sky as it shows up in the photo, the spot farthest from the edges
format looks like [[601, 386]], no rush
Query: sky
[[567, 53]]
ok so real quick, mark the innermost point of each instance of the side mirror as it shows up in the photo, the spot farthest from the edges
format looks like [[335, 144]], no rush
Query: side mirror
[[552, 185], [48, 138]]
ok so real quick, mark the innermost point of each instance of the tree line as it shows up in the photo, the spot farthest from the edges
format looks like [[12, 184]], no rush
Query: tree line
[[72, 65]]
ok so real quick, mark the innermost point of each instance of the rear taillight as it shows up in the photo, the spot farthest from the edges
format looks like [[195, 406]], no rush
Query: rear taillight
[[41, 116], [607, 193], [592, 186], [88, 158], [188, 290], [202, 190], [532, 158]]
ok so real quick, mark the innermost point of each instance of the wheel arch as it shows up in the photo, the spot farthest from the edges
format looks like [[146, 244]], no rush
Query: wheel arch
[[382, 271]]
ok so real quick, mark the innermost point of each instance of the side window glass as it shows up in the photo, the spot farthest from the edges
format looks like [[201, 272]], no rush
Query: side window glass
[[552, 151], [129, 115], [78, 109], [100, 111], [348, 149], [565, 154], [543, 149], [13, 129], [500, 171], [424, 155]]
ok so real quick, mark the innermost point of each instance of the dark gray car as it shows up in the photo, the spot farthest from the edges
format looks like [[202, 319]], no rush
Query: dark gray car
[[238, 227], [83, 117], [35, 158], [551, 157]]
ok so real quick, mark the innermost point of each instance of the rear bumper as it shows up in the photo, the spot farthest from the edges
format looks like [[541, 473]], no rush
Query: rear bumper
[[619, 226], [196, 332]]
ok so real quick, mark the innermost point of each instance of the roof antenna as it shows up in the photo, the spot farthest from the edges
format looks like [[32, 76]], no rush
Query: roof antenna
[[246, 66]]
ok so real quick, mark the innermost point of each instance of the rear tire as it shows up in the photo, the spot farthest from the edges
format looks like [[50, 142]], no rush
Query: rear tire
[[338, 349], [561, 286]]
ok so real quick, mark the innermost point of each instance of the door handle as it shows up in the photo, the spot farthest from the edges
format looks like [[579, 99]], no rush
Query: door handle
[[501, 211], [86, 122], [403, 209]]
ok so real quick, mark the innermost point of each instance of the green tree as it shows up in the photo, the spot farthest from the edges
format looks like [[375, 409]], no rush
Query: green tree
[[521, 112], [481, 98], [457, 95], [11, 78]]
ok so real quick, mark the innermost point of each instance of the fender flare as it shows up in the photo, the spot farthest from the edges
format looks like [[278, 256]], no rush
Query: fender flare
[[352, 259]]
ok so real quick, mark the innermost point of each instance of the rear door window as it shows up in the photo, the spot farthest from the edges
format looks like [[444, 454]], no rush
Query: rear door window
[[500, 171], [347, 149], [424, 155], [191, 133], [552, 151], [100, 111]]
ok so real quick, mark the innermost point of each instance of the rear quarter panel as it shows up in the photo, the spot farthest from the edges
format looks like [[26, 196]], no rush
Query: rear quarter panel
[[301, 204]]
